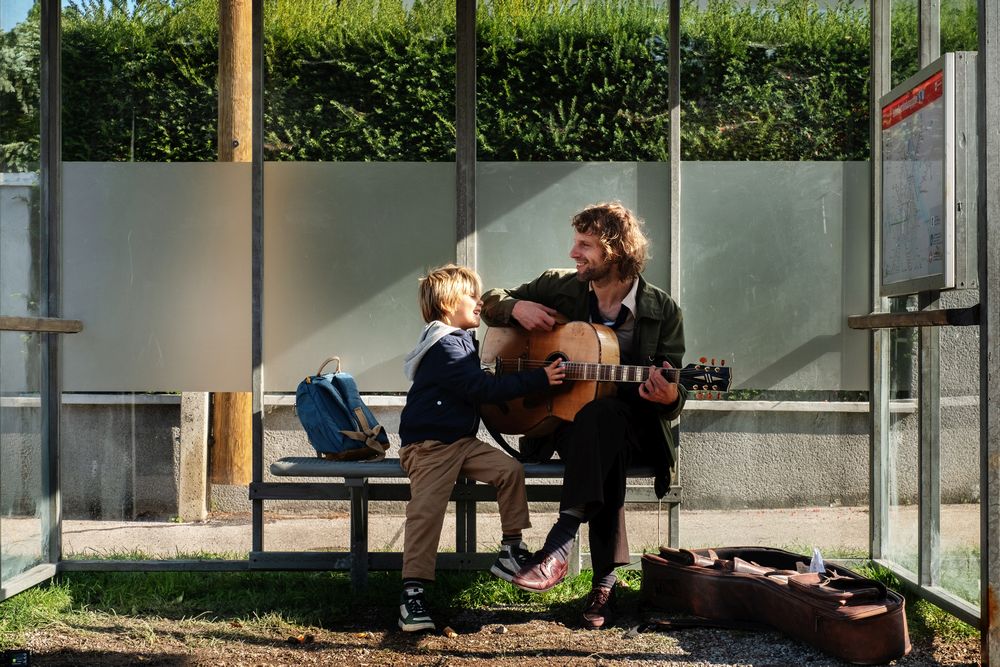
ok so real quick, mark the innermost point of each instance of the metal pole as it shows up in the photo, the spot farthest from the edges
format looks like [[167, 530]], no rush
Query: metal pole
[[465, 131], [257, 272], [929, 557], [988, 122], [674, 101], [929, 22], [50, 153], [881, 73]]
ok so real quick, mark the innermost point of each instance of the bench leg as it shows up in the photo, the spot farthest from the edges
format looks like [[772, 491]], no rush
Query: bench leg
[[575, 557], [673, 535], [465, 522], [470, 522], [359, 532]]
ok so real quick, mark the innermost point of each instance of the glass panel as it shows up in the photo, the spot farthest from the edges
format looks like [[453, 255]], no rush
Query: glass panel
[[359, 202], [523, 213], [901, 545], [905, 40], [960, 494], [572, 81], [139, 81], [342, 261], [156, 263], [791, 476], [776, 257], [959, 25], [24, 509], [24, 536], [360, 80], [775, 80]]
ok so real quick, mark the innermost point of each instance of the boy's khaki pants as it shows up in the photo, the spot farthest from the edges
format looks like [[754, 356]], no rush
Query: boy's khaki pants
[[433, 467]]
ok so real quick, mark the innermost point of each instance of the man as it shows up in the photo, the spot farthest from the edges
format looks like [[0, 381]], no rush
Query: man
[[608, 434]]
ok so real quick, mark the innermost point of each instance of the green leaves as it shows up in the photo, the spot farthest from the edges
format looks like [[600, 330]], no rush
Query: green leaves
[[556, 79]]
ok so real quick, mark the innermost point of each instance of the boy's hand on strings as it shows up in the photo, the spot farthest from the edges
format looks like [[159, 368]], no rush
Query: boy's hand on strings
[[556, 372]]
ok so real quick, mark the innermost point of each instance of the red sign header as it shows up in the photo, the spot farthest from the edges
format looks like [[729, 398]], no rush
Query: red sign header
[[913, 101]]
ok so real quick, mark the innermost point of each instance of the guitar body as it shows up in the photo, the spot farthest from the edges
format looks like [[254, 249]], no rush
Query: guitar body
[[539, 414]]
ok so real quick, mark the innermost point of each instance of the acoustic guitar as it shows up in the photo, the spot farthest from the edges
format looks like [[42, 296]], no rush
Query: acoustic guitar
[[590, 356]]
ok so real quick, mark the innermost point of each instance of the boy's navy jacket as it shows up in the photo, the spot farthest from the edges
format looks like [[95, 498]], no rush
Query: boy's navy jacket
[[449, 384]]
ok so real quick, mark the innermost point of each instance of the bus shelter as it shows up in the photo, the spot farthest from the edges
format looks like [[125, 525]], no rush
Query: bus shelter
[[135, 288]]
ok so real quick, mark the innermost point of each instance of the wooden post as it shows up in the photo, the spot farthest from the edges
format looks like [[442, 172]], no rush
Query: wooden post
[[232, 444], [235, 81]]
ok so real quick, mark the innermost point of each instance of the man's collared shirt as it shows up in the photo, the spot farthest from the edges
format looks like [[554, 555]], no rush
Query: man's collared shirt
[[626, 330]]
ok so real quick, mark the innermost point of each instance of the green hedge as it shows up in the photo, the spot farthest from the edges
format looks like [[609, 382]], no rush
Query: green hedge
[[557, 80]]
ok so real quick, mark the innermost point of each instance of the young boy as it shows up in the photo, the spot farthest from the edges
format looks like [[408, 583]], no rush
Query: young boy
[[438, 429]]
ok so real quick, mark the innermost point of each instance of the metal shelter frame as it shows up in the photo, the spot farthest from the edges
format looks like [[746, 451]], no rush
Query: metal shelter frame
[[50, 327]]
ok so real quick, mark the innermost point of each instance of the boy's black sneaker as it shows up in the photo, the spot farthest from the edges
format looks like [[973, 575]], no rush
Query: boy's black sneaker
[[413, 614], [510, 560]]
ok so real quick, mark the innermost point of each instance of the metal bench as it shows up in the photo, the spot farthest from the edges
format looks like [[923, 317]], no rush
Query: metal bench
[[356, 487]]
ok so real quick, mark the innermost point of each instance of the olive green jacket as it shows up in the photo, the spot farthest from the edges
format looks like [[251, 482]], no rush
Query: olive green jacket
[[659, 328]]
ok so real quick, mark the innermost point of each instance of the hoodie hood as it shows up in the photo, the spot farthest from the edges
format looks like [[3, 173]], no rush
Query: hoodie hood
[[433, 332]]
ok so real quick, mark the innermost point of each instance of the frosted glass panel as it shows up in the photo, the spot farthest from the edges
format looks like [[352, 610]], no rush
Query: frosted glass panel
[[523, 213], [344, 246], [23, 501], [156, 263], [774, 257]]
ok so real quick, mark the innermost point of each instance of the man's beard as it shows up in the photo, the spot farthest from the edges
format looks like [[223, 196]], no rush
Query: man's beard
[[591, 273]]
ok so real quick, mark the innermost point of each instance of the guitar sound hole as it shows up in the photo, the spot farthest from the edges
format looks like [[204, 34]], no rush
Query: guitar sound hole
[[555, 355]]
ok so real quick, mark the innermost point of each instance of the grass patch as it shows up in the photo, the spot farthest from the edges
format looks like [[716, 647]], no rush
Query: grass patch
[[925, 619], [38, 607], [285, 601]]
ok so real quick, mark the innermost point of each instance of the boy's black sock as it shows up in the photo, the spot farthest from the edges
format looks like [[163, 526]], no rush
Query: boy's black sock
[[414, 584], [511, 539], [559, 541]]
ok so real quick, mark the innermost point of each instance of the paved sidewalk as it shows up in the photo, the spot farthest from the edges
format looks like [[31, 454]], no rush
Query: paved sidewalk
[[832, 529]]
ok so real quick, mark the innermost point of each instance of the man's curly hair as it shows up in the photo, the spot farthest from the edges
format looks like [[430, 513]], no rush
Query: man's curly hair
[[621, 235]]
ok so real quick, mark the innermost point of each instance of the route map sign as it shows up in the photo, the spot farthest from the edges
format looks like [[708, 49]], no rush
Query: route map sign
[[917, 162]]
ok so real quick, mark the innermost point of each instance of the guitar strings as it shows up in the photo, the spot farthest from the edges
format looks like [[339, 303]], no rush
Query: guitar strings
[[529, 364]]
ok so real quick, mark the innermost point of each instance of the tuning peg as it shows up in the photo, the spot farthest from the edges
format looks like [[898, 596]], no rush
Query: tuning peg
[[698, 395], [713, 361], [722, 362], [703, 360]]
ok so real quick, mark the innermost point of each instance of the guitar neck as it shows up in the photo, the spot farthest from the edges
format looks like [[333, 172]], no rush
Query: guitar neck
[[579, 370]]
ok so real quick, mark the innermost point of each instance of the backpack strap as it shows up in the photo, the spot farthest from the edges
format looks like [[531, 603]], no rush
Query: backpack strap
[[367, 435]]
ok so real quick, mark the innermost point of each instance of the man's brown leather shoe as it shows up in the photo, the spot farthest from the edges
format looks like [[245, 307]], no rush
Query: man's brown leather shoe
[[540, 573], [597, 612]]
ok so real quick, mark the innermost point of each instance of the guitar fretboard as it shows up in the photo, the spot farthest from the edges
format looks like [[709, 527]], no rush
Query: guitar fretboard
[[578, 370]]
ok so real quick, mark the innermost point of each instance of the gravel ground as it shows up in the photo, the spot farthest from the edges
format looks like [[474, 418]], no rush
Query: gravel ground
[[505, 638]]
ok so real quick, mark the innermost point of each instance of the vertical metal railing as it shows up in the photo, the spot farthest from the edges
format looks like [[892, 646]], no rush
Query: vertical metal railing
[[988, 124], [881, 73], [929, 479]]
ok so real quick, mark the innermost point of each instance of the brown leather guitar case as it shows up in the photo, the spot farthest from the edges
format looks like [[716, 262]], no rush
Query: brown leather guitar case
[[842, 613]]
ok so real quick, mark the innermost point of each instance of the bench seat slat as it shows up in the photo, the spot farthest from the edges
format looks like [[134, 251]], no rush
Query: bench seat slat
[[308, 466]]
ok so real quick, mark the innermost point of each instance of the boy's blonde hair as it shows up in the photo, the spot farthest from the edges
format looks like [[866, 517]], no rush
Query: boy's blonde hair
[[442, 287]]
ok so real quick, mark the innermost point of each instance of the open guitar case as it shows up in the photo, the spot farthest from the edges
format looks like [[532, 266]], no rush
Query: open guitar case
[[839, 612]]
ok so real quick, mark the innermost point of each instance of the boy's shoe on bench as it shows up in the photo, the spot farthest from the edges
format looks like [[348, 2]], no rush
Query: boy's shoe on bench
[[413, 614], [510, 560]]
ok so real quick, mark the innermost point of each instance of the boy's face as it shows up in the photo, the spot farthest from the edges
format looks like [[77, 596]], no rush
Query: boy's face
[[465, 315]]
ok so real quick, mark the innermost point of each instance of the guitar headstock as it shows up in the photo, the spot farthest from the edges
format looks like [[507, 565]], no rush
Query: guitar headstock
[[708, 379]]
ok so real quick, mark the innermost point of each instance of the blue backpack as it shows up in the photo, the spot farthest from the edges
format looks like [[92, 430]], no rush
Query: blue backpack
[[339, 425]]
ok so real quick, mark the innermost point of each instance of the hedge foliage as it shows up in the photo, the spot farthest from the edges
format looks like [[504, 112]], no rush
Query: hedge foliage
[[557, 80]]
